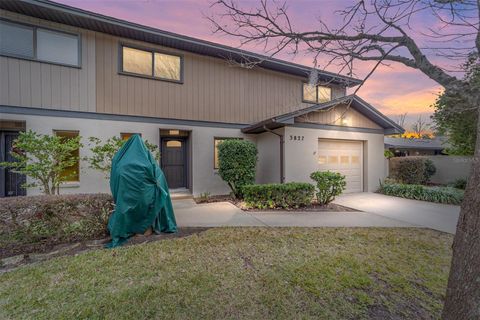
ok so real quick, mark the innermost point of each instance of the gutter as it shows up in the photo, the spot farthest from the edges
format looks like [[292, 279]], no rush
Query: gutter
[[282, 152]]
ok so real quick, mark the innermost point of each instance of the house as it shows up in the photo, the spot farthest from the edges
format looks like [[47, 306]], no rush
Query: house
[[71, 72], [402, 147]]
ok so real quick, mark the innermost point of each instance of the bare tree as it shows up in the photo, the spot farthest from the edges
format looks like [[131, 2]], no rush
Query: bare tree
[[401, 119], [420, 127], [381, 31]]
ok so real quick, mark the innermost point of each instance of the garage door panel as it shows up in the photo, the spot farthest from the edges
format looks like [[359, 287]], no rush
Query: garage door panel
[[344, 157]]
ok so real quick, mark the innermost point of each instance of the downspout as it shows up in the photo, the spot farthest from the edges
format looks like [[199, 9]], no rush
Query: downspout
[[282, 152]]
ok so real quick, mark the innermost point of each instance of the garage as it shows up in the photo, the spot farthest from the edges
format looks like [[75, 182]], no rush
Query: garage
[[344, 157]]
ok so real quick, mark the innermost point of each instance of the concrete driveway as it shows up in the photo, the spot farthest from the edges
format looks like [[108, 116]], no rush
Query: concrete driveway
[[436, 216], [221, 214]]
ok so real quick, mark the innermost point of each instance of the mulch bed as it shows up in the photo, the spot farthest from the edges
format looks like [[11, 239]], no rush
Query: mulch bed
[[15, 256], [314, 207]]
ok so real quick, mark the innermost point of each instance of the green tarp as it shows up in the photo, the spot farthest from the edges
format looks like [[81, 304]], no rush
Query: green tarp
[[140, 192]]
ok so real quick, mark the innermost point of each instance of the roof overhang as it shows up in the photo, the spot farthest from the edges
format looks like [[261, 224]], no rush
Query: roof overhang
[[389, 126], [64, 14]]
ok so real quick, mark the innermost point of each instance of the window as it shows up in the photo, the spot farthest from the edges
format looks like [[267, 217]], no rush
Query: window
[[151, 64], [174, 144], [35, 43], [16, 39], [72, 173], [127, 135], [57, 47], [217, 141], [316, 94]]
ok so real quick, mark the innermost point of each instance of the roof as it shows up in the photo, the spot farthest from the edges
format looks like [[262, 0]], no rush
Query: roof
[[404, 143], [357, 103], [64, 14]]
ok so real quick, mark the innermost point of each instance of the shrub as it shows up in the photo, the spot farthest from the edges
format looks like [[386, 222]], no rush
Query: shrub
[[278, 195], [329, 185], [237, 160], [430, 170], [410, 170], [460, 183], [445, 195], [54, 219], [44, 158]]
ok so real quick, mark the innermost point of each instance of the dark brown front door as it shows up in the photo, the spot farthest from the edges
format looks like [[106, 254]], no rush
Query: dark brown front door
[[174, 162], [10, 182]]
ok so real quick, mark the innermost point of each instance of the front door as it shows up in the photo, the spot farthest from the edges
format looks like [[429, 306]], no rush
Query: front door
[[10, 182], [174, 163]]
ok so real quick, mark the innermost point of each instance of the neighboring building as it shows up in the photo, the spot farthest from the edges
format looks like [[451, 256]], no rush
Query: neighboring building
[[403, 147], [72, 72]]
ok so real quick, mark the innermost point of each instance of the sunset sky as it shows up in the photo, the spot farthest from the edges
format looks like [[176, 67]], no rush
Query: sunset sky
[[393, 90]]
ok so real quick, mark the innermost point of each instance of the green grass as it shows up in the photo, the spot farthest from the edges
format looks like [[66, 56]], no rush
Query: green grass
[[246, 273]]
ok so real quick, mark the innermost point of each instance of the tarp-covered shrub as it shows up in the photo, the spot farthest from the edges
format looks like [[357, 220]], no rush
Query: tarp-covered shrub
[[278, 195], [54, 218], [329, 185], [237, 160], [412, 170], [447, 195]]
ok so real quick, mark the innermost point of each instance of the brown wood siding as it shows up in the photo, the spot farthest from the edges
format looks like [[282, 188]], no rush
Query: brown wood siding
[[213, 89], [334, 117], [41, 85]]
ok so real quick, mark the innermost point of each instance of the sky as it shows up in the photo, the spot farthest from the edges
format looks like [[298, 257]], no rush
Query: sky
[[393, 89]]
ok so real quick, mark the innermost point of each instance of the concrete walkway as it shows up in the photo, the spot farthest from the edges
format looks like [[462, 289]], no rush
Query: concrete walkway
[[436, 216], [220, 214]]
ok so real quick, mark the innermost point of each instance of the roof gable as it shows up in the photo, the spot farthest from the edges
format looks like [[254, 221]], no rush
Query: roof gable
[[367, 110]]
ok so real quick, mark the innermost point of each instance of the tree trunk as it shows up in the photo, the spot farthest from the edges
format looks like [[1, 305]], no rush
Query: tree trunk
[[463, 291]]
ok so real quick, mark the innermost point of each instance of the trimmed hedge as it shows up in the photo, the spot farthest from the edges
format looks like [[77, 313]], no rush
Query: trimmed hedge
[[54, 218], [329, 185], [446, 195], [412, 170], [278, 195], [237, 160]]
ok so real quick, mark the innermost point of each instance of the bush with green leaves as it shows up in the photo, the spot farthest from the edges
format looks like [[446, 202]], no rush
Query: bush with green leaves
[[460, 183], [412, 170], [446, 195], [329, 185], [430, 170], [237, 160], [103, 152], [278, 195], [44, 158]]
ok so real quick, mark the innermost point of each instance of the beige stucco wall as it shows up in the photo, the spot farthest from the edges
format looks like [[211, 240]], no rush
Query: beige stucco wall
[[301, 156], [204, 178]]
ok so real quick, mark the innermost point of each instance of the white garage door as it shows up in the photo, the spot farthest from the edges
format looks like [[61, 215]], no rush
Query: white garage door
[[345, 157]]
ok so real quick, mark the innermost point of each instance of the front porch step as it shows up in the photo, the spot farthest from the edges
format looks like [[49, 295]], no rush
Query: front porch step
[[180, 194]]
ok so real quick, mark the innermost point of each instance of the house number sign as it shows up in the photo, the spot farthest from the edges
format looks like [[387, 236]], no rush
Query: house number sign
[[297, 138]]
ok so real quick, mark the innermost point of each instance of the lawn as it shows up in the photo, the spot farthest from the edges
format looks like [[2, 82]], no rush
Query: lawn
[[244, 273]]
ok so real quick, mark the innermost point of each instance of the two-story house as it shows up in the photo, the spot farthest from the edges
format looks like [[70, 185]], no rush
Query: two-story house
[[69, 72]]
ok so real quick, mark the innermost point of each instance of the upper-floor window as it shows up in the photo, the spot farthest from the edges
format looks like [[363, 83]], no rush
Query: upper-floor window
[[150, 63], [35, 43], [316, 94]]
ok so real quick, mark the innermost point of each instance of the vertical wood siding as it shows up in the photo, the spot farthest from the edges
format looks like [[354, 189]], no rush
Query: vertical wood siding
[[41, 85], [213, 89], [334, 117]]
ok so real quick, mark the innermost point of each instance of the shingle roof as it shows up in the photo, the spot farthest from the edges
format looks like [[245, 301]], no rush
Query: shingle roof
[[403, 143], [64, 14]]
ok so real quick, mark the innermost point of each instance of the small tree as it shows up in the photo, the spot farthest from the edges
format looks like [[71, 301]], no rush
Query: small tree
[[237, 160], [103, 152], [329, 185], [44, 158]]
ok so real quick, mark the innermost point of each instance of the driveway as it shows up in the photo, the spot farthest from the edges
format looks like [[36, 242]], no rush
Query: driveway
[[221, 214], [436, 216]]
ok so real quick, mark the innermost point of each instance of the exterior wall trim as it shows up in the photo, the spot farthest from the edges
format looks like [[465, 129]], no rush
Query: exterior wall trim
[[336, 128], [114, 117]]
